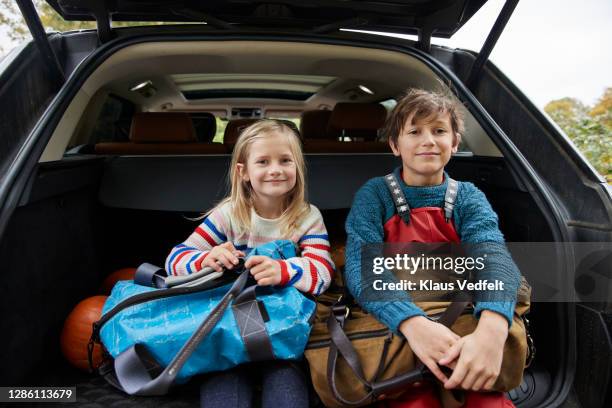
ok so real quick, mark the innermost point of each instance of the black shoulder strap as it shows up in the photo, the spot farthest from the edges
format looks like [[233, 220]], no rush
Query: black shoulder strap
[[401, 204], [449, 198], [399, 199]]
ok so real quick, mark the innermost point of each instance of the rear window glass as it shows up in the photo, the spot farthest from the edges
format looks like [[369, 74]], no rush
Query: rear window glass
[[221, 125], [294, 119], [389, 104]]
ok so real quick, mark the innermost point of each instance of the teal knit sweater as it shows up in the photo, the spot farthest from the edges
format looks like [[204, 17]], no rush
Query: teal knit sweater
[[475, 222]]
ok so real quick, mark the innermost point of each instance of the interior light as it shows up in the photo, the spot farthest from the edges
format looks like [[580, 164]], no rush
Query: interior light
[[366, 89], [141, 86]]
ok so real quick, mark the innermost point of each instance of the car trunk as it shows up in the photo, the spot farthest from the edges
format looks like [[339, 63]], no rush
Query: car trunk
[[80, 218], [84, 217]]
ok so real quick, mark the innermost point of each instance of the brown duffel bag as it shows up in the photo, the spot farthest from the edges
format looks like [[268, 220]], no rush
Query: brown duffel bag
[[375, 364]]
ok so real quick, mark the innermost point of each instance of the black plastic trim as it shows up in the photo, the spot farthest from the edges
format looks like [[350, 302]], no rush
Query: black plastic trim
[[489, 44], [39, 35]]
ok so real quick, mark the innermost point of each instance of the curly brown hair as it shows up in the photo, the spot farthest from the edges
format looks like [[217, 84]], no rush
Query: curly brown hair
[[422, 104]]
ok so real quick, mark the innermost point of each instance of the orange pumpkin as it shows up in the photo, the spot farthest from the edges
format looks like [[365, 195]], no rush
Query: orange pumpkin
[[113, 278], [77, 331]]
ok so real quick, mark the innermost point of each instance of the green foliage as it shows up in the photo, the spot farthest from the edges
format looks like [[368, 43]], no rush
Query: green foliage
[[589, 128]]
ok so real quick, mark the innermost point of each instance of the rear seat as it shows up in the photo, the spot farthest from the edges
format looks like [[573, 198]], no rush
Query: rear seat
[[233, 130], [313, 124], [358, 121], [163, 133]]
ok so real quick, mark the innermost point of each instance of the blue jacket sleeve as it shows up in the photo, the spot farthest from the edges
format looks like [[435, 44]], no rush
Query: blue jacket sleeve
[[477, 225], [364, 225]]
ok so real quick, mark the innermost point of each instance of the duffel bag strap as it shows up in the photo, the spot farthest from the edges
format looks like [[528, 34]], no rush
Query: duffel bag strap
[[251, 316], [139, 374], [340, 343]]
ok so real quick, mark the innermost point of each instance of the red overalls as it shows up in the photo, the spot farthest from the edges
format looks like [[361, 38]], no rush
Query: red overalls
[[429, 224]]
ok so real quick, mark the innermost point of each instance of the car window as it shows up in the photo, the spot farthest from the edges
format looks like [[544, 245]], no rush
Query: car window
[[389, 104], [221, 125], [294, 119], [114, 121]]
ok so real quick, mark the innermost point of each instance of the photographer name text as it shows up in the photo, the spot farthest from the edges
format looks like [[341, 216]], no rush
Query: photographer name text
[[430, 285]]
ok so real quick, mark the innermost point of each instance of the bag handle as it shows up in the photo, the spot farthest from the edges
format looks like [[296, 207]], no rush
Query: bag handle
[[139, 373], [340, 343], [251, 316]]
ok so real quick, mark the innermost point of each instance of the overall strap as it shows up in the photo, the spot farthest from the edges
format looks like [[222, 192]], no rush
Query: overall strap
[[401, 204], [449, 198], [399, 199]]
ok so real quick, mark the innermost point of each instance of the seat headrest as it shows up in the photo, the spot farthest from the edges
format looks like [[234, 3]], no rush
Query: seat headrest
[[205, 126], [162, 127], [234, 129], [314, 124], [356, 120]]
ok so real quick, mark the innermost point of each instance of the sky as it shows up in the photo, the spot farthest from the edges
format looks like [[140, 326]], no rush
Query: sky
[[550, 48]]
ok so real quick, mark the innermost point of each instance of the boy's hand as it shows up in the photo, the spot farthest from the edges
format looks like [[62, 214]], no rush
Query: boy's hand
[[429, 341], [479, 355], [224, 255], [265, 270]]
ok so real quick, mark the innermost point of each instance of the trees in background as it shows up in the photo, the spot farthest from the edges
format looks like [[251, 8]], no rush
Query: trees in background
[[589, 127], [17, 31]]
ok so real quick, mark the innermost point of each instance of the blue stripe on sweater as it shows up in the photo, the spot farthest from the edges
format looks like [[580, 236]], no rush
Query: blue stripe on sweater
[[214, 229], [314, 236], [318, 291], [182, 249], [193, 258], [297, 276]]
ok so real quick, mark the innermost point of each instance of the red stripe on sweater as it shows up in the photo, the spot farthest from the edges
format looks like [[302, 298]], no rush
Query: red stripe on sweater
[[284, 273], [324, 261], [177, 260], [198, 263], [314, 277], [316, 246], [205, 235]]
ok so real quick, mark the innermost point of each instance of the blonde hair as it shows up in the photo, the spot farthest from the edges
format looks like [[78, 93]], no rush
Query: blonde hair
[[294, 206]]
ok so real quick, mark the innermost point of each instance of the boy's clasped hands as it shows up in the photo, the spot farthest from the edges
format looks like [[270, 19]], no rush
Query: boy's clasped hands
[[475, 359], [265, 270]]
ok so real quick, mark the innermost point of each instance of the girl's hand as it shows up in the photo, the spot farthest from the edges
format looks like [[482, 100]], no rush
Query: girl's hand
[[479, 354], [224, 255], [265, 270], [430, 341]]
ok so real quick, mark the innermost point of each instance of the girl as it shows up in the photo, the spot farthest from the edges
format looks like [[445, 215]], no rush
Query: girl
[[267, 202]]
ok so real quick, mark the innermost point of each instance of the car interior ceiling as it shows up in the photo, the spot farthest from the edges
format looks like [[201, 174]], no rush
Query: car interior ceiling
[[116, 204]]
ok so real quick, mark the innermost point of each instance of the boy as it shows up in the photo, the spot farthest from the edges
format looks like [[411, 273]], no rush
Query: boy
[[424, 129]]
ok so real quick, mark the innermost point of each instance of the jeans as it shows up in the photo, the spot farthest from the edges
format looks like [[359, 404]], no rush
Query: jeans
[[283, 384]]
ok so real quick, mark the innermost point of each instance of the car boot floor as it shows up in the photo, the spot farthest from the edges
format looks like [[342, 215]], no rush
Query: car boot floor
[[94, 392]]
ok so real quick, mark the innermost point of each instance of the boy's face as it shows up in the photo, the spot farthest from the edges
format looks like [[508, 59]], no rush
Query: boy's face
[[425, 147]]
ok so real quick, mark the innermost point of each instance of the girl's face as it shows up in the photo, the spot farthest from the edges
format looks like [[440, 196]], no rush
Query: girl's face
[[270, 168], [425, 148]]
